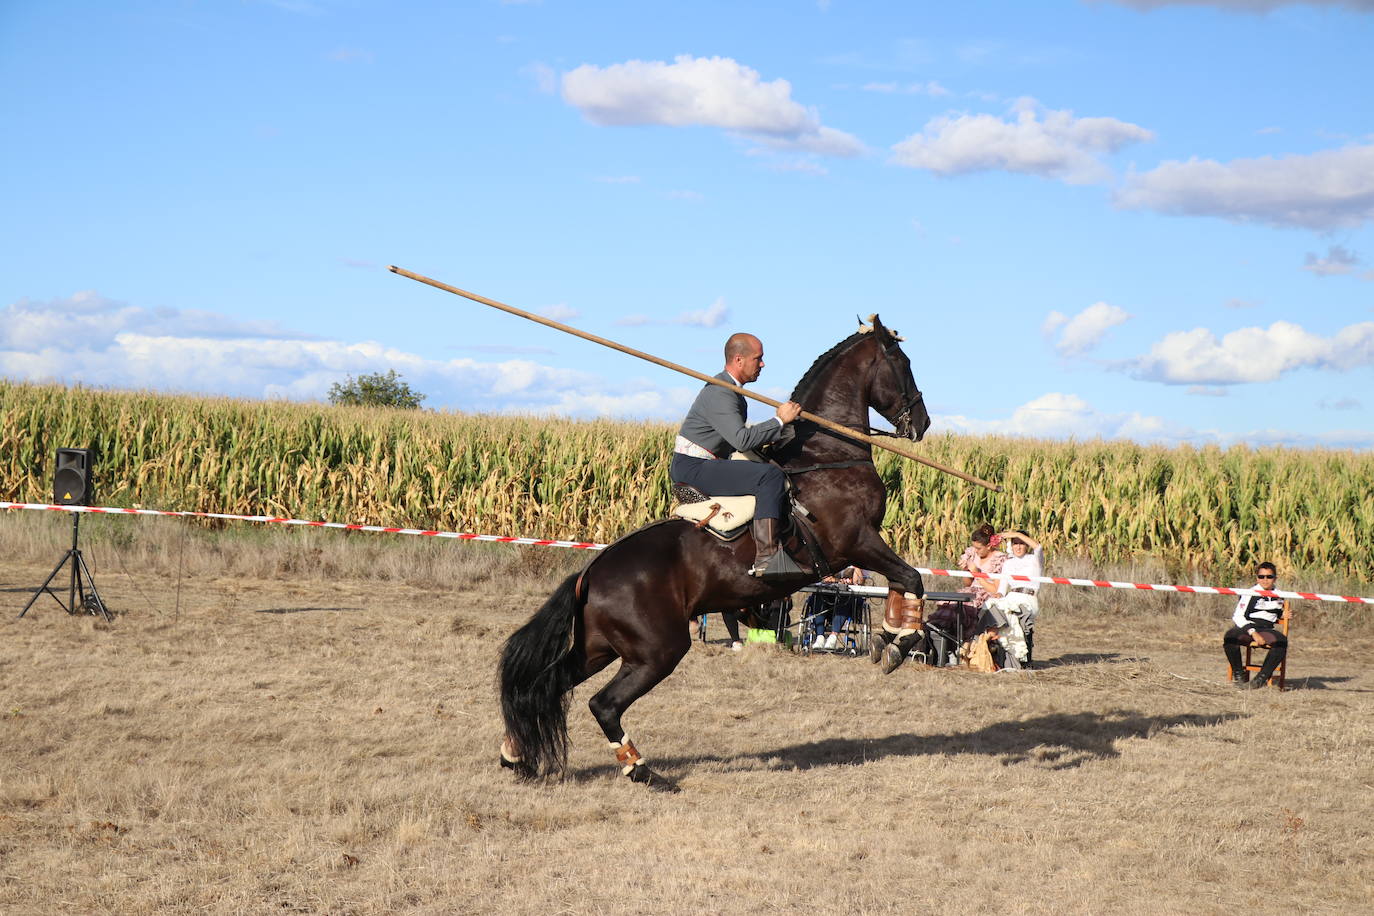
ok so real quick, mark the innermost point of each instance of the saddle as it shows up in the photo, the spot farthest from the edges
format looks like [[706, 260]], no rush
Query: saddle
[[728, 517]]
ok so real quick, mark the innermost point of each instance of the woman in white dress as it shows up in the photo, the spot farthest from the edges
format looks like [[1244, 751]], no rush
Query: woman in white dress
[[1018, 602]]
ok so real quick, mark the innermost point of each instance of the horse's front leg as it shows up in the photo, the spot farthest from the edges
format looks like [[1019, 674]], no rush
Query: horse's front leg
[[903, 620], [639, 673]]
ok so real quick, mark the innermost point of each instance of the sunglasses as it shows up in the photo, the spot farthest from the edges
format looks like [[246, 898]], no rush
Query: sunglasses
[[1266, 576]]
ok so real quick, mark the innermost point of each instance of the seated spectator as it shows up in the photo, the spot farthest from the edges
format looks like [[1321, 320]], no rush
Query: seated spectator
[[1013, 613], [1256, 623], [831, 614], [984, 560], [816, 614]]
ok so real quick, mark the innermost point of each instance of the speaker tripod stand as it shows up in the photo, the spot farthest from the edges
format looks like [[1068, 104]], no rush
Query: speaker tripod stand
[[82, 585]]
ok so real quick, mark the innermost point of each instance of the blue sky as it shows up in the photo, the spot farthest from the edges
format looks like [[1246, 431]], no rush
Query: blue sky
[[1124, 218]]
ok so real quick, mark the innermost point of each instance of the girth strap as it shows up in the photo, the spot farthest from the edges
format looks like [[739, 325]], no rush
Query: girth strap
[[858, 462]]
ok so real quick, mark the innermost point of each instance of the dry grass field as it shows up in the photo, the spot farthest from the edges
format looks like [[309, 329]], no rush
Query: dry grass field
[[308, 724]]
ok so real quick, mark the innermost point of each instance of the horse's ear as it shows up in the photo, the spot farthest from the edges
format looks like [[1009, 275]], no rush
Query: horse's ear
[[883, 331]]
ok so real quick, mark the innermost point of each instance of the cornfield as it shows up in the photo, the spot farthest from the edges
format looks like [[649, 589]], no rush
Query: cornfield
[[1198, 510]]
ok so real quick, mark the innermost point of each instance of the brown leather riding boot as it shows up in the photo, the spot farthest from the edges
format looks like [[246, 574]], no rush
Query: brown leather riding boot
[[765, 544]]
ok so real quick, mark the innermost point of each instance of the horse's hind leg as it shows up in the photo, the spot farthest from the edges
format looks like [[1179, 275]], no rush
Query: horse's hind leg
[[634, 679]]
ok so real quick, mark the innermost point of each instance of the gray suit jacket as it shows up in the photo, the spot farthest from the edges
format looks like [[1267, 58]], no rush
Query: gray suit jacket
[[716, 422]]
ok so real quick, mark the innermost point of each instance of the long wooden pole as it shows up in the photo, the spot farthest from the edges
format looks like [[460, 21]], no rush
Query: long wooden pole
[[874, 441]]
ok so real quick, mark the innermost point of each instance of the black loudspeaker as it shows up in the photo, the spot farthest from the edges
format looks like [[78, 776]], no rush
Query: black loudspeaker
[[71, 482]]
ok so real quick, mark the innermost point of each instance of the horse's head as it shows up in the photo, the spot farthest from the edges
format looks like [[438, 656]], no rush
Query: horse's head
[[892, 389]]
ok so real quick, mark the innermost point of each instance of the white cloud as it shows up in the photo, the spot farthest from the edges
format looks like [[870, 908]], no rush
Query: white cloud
[[1338, 261], [1084, 331], [96, 341], [89, 320], [1053, 322], [560, 312], [1197, 357], [503, 349], [711, 317], [544, 77], [1034, 141], [1058, 415], [702, 92], [1323, 190], [930, 88], [1239, 304], [1243, 6]]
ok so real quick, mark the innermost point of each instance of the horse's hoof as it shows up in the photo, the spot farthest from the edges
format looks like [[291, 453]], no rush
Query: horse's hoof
[[522, 772], [876, 647], [655, 781], [893, 656]]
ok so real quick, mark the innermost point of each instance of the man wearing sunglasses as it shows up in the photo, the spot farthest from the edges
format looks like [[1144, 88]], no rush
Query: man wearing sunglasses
[[1256, 622]]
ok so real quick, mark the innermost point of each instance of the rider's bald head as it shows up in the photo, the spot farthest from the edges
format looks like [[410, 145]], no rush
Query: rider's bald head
[[743, 357], [741, 344]]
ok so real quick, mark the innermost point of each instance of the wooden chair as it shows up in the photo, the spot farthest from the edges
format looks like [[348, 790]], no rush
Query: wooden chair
[[1252, 666]]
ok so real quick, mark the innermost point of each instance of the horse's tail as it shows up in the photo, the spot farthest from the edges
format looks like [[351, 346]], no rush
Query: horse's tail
[[538, 669]]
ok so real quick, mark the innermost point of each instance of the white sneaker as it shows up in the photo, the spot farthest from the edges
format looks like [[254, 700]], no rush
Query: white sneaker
[[830, 642], [736, 646]]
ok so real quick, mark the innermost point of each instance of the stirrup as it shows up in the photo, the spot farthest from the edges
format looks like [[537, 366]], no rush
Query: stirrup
[[779, 566]]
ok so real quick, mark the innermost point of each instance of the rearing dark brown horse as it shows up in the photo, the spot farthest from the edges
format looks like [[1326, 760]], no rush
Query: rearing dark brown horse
[[634, 599]]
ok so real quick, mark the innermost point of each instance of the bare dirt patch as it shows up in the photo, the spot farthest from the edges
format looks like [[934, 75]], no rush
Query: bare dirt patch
[[290, 744]]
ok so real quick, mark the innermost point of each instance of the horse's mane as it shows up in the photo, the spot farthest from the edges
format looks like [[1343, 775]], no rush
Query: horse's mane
[[823, 361]]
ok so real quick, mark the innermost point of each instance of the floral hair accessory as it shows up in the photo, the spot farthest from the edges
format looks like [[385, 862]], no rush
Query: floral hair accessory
[[996, 539]]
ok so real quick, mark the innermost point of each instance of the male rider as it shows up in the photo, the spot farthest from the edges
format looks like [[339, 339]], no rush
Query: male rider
[[715, 427]]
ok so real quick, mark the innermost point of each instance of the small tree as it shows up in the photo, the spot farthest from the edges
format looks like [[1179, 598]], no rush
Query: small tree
[[375, 390]]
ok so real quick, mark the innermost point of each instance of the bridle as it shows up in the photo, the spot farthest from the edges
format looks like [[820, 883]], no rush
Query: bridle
[[906, 388]]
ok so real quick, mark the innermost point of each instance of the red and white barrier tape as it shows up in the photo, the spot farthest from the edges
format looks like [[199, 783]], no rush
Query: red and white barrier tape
[[587, 545], [271, 519]]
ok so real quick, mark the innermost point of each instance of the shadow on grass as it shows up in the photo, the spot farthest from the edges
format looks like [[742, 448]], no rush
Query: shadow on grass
[[1059, 741], [1315, 682], [301, 610], [1083, 658]]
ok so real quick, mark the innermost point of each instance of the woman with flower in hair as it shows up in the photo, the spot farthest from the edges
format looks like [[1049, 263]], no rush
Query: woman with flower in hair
[[984, 560]]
